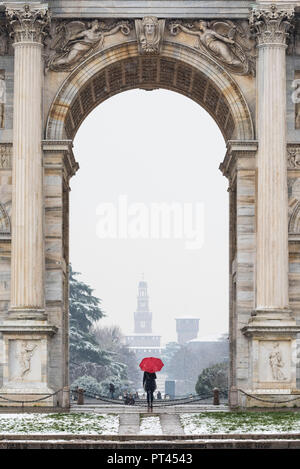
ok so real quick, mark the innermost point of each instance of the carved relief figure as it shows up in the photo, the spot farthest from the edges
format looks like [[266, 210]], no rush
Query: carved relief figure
[[276, 363], [4, 161], [25, 355], [5, 156], [294, 158], [4, 221], [3, 41], [2, 98], [149, 32], [77, 40], [225, 41]]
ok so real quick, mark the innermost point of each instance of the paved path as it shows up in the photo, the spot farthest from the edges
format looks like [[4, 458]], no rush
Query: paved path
[[129, 424], [170, 424]]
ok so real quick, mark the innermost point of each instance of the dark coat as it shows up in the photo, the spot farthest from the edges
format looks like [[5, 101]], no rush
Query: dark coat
[[149, 382]]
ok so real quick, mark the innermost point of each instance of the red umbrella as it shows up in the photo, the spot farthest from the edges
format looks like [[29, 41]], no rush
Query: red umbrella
[[151, 364]]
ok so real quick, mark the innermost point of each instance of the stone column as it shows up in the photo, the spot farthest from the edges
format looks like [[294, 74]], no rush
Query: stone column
[[28, 24], [271, 25], [272, 329]]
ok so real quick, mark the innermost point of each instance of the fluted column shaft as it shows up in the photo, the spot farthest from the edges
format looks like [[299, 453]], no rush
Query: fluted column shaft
[[27, 290], [272, 200], [27, 248]]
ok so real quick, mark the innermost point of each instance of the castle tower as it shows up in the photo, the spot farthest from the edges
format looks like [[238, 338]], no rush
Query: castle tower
[[143, 342], [187, 328], [142, 316]]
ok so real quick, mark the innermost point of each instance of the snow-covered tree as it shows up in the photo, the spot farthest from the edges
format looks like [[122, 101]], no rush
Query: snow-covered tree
[[91, 361], [215, 376], [112, 339]]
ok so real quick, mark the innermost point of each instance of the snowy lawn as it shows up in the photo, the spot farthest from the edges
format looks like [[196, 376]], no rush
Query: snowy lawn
[[240, 422], [150, 426], [59, 423]]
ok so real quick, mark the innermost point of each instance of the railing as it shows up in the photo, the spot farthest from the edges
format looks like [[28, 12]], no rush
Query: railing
[[80, 393]]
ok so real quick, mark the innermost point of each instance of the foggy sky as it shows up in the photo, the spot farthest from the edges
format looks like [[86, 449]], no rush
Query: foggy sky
[[152, 147]]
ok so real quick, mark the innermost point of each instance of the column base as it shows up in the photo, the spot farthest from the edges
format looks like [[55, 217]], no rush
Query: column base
[[273, 350], [271, 320], [36, 314]]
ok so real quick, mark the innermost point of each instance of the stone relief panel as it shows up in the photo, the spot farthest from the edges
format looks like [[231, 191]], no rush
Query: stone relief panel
[[149, 33], [5, 155], [293, 163], [24, 360], [274, 361], [2, 97], [74, 41], [293, 158], [231, 44], [4, 221], [297, 105]]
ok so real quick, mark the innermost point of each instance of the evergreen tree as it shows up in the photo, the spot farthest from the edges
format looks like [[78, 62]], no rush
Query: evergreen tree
[[84, 310], [90, 361], [215, 376]]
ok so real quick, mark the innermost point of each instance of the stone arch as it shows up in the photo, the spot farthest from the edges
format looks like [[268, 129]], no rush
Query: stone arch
[[178, 68]]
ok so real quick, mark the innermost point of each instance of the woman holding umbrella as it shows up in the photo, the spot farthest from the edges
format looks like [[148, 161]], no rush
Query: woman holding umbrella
[[149, 384], [150, 365]]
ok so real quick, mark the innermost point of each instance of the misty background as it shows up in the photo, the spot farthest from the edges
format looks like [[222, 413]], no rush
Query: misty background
[[156, 146]]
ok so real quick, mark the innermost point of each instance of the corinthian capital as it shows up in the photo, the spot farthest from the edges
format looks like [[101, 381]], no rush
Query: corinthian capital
[[271, 24], [28, 22]]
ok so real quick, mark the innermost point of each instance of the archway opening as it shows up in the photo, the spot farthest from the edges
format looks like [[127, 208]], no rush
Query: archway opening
[[137, 150]]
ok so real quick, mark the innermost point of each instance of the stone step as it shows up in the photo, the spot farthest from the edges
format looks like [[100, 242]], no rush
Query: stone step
[[151, 445]]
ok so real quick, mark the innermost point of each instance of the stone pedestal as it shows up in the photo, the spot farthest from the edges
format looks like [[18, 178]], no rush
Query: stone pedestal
[[25, 356]]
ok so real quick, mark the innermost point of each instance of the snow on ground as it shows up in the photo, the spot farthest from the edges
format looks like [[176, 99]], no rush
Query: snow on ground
[[251, 422], [71, 423], [150, 426]]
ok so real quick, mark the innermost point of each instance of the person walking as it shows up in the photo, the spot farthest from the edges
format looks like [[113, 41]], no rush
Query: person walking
[[149, 385], [112, 390]]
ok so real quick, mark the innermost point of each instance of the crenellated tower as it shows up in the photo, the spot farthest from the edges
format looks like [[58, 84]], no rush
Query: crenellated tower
[[142, 315]]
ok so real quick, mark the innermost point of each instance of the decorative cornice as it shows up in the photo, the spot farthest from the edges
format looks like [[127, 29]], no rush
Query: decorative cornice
[[46, 329], [237, 149], [28, 23], [250, 331], [271, 24], [65, 148]]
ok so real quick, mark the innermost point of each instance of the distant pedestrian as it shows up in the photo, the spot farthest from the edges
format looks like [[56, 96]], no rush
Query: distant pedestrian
[[149, 384], [127, 398], [131, 400], [158, 395], [112, 390]]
